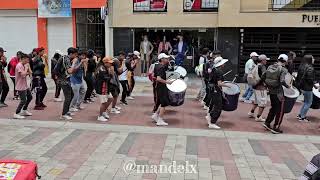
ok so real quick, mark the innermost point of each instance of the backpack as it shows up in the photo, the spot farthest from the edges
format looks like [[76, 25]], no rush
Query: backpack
[[253, 76], [273, 76]]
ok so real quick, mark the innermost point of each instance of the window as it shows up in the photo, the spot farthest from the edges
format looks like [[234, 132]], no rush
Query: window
[[201, 5], [289, 5], [150, 5]]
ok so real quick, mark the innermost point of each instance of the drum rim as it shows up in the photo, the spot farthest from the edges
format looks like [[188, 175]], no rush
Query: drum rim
[[316, 90], [233, 84], [184, 70], [291, 96]]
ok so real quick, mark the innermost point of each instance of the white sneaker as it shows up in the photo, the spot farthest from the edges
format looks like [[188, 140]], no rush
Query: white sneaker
[[73, 110], [251, 115], [70, 114], [205, 107], [102, 119], [118, 108], [155, 117], [66, 117], [213, 126], [17, 116], [260, 119], [208, 118], [81, 108], [161, 122], [114, 111], [57, 99], [130, 98], [25, 113], [202, 103], [242, 99], [105, 115], [248, 101]]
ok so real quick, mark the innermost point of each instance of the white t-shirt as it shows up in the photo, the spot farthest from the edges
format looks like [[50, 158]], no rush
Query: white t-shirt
[[249, 65], [202, 60], [123, 76]]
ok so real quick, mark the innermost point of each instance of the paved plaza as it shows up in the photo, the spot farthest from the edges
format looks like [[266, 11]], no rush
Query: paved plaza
[[86, 149]]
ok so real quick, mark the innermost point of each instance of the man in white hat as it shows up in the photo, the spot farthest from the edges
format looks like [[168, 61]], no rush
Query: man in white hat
[[248, 67], [215, 84], [274, 78]]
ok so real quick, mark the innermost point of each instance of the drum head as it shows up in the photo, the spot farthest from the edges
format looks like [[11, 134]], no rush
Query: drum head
[[291, 92], [177, 86], [172, 75], [182, 71], [316, 91], [233, 90]]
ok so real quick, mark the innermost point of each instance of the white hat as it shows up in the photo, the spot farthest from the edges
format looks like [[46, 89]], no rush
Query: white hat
[[137, 53], [254, 54], [58, 52], [283, 57], [263, 56], [163, 55], [219, 61]]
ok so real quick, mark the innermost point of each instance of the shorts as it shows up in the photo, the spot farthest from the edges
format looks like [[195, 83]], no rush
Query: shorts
[[114, 90], [104, 98], [162, 96], [260, 98]]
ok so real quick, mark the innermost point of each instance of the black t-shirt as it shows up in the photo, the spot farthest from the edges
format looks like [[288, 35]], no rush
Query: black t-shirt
[[215, 76], [160, 70]]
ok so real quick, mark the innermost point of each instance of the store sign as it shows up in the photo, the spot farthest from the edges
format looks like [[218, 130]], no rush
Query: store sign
[[311, 19], [54, 8], [150, 5]]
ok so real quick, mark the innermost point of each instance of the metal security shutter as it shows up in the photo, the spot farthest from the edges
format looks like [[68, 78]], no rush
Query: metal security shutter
[[18, 31]]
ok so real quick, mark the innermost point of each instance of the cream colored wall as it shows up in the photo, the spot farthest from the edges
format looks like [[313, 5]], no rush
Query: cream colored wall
[[232, 13], [123, 16]]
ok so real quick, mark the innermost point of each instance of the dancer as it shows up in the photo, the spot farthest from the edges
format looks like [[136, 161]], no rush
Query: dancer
[[4, 87], [89, 76], [131, 64], [114, 86], [123, 77], [259, 90], [57, 55], [203, 60], [11, 69], [274, 78], [22, 71], [248, 67]]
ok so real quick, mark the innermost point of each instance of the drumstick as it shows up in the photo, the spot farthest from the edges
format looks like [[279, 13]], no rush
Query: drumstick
[[227, 73]]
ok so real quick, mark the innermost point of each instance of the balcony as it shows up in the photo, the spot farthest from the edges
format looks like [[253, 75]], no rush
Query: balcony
[[295, 5]]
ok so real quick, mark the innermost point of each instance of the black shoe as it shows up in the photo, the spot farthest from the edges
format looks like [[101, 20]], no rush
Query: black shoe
[[276, 131], [267, 126], [124, 102]]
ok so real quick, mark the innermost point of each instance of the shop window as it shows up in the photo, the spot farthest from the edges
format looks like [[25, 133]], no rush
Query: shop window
[[201, 5], [289, 5], [150, 5]]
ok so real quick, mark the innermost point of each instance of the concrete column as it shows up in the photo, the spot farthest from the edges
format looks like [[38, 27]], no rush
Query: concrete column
[[109, 30]]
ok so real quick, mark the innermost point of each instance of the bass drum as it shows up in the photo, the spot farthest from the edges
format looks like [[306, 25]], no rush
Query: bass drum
[[316, 98], [182, 71], [291, 95], [231, 96], [177, 92]]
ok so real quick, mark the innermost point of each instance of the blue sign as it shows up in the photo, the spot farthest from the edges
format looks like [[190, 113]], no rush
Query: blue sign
[[54, 8]]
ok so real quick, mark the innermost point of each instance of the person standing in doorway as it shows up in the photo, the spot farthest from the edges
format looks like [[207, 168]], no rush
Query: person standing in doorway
[[57, 55], [21, 72], [4, 87], [248, 67], [11, 69], [123, 77], [164, 46], [146, 49], [305, 82], [38, 79], [181, 49]]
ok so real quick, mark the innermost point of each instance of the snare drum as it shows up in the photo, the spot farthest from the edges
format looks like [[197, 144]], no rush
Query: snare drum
[[231, 96], [291, 95], [182, 71], [316, 98], [177, 92]]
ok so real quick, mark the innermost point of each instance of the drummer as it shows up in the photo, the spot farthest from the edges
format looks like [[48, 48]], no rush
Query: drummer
[[162, 99], [215, 84], [274, 78]]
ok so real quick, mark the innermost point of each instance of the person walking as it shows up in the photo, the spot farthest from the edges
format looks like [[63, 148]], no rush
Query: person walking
[[203, 60], [4, 87], [57, 55], [274, 78], [305, 82], [22, 70], [123, 77], [38, 79], [260, 90], [248, 67], [89, 76], [77, 84], [11, 69]]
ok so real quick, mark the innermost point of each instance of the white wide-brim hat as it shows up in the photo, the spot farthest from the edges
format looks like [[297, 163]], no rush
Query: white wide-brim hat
[[219, 61]]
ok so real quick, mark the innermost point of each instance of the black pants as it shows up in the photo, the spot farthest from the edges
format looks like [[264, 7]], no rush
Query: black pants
[[90, 86], [58, 89], [39, 84], [215, 107], [125, 90], [68, 95], [133, 83], [4, 90], [276, 112], [15, 92], [156, 103], [25, 99], [207, 97]]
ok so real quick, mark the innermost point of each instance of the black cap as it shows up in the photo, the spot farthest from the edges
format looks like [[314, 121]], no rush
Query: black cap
[[2, 50]]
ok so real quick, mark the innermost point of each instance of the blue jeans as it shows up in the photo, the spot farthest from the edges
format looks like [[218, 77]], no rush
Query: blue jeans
[[249, 91], [308, 98], [79, 92]]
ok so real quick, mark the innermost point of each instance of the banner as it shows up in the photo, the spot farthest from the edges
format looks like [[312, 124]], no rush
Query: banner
[[54, 8], [150, 5]]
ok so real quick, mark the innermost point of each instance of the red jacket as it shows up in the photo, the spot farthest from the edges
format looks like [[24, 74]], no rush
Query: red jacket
[[12, 66]]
